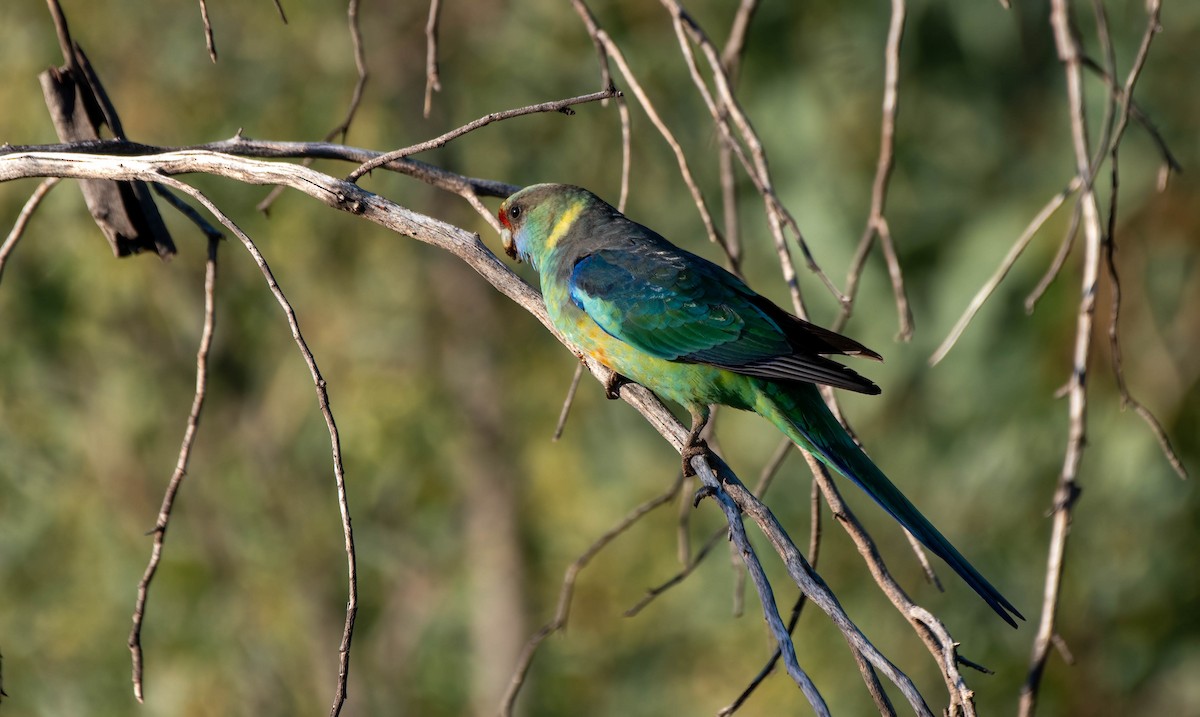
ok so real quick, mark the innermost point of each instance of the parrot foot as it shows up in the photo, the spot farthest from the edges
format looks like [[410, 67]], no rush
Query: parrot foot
[[698, 447], [612, 385]]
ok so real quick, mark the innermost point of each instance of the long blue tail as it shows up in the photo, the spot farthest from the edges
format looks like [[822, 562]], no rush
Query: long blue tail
[[799, 411]]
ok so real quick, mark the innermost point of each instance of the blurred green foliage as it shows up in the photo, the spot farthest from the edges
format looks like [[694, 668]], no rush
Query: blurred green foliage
[[97, 369]]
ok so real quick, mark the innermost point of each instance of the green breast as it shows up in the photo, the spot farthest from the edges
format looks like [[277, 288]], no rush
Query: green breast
[[688, 384]]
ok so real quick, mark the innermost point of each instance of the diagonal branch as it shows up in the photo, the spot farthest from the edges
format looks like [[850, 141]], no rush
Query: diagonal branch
[[877, 225], [27, 211], [563, 106], [567, 591]]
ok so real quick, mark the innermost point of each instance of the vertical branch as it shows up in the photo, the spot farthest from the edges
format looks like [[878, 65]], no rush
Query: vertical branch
[[343, 127], [360, 68], [185, 453], [433, 83], [731, 58], [1067, 491], [1153, 8], [877, 225]]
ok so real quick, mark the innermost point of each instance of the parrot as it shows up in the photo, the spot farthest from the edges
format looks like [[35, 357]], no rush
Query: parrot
[[695, 334]]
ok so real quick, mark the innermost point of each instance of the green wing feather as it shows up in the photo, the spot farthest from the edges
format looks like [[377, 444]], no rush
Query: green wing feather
[[677, 306]]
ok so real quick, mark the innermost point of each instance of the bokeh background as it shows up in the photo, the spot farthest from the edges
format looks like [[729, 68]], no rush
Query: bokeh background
[[465, 512]]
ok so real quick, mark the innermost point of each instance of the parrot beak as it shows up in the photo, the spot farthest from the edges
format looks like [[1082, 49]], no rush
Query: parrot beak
[[510, 246], [506, 233]]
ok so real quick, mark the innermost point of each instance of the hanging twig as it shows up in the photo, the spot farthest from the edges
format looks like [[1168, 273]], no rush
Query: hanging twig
[[334, 438], [181, 464], [209, 41]]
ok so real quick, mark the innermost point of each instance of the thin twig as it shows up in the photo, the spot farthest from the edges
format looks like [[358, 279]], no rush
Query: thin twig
[[1067, 490], [1170, 162], [209, 41], [1060, 260], [186, 210], [766, 477], [567, 591], [26, 213], [733, 509], [334, 438], [731, 58], [433, 83], [811, 584], [566, 408], [342, 129], [1114, 338], [181, 464], [685, 170], [361, 73], [593, 28], [930, 574], [936, 638], [563, 106], [877, 224], [990, 285], [725, 109]]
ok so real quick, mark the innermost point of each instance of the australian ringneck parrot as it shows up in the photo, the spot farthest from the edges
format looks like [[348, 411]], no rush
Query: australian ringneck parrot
[[695, 334]]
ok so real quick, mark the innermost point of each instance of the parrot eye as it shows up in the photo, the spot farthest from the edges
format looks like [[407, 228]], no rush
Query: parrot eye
[[514, 212]]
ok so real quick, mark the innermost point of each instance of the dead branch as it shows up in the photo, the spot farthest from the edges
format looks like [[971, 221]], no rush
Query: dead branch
[[27, 211], [181, 464]]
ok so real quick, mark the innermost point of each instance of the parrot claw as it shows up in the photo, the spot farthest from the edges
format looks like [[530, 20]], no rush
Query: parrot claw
[[697, 448], [612, 385]]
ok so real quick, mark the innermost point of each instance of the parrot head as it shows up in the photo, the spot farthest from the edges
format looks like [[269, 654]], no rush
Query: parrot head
[[535, 218]]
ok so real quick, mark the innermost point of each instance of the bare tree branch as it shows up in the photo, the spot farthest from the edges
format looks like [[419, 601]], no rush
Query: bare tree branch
[[334, 439], [181, 464], [563, 106], [27, 211], [567, 591], [566, 408], [209, 41], [877, 225], [990, 285], [1126, 101], [1068, 491], [433, 83]]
